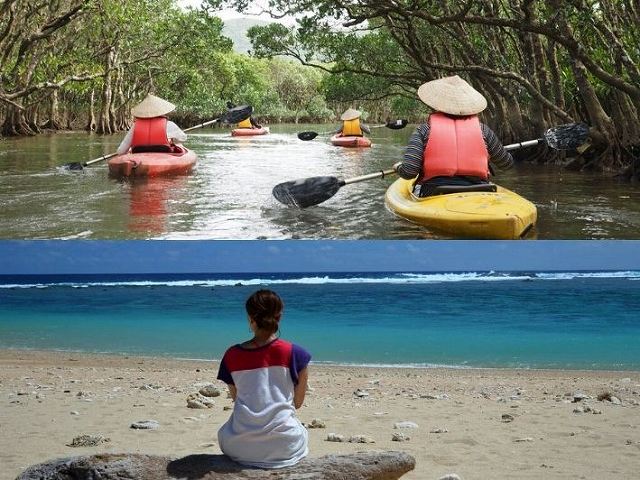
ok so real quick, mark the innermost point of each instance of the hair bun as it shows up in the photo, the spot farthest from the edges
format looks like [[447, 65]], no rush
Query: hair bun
[[265, 308]]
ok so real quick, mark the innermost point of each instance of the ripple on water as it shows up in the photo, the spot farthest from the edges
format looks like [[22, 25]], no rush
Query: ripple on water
[[228, 195]]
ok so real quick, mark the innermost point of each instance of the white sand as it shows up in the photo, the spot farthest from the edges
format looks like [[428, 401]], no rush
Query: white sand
[[469, 404]]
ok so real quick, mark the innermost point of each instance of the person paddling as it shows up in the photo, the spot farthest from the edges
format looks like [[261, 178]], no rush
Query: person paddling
[[351, 126], [453, 147], [151, 131], [248, 122]]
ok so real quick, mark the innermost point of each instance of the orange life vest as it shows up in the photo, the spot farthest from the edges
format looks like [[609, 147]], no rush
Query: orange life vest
[[351, 128], [150, 131], [455, 147]]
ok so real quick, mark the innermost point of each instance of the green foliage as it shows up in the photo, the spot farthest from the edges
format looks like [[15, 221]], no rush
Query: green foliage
[[373, 55], [357, 66], [538, 61], [130, 47]]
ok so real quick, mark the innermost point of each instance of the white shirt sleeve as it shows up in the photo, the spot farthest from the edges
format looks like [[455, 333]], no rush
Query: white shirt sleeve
[[125, 145], [174, 133]]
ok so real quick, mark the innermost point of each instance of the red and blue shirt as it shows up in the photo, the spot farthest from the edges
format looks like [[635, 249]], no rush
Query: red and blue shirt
[[263, 430], [276, 353]]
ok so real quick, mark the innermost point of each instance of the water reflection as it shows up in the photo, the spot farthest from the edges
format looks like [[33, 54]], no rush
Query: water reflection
[[150, 203], [228, 195]]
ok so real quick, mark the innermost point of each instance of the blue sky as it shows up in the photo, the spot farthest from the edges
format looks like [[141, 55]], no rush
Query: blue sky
[[41, 257]]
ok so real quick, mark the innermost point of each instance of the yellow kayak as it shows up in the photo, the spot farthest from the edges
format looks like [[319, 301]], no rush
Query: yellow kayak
[[500, 215]]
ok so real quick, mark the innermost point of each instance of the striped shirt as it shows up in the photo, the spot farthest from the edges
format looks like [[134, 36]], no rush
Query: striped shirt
[[411, 165]]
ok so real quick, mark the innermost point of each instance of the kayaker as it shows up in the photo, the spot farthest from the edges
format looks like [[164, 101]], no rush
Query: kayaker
[[267, 380], [453, 147], [247, 122], [151, 131], [351, 126]]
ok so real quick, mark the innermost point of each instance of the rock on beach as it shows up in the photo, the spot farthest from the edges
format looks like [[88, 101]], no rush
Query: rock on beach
[[145, 425], [362, 465]]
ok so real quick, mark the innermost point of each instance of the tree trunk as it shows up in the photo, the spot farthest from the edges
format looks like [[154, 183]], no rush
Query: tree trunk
[[622, 110], [15, 123], [114, 90], [552, 61], [104, 120], [31, 116], [91, 124], [54, 113], [120, 118], [605, 131], [103, 125], [536, 116]]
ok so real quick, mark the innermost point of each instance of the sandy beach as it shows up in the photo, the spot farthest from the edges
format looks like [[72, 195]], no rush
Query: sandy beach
[[478, 424]]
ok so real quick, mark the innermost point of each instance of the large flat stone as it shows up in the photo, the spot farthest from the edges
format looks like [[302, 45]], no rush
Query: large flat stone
[[362, 466]]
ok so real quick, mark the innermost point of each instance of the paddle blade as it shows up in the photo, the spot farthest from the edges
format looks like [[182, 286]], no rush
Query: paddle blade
[[307, 135], [73, 166], [396, 124], [306, 192], [567, 137], [237, 114]]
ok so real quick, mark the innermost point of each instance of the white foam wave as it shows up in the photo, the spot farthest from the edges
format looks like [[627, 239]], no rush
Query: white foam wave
[[83, 234], [400, 278], [630, 274]]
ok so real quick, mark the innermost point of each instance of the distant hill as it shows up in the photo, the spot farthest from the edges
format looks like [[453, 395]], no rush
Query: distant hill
[[236, 29]]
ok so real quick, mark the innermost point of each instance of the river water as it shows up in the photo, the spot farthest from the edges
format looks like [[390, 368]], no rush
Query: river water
[[228, 195]]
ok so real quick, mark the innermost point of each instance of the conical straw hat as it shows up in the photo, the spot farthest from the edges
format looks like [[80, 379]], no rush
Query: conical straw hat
[[452, 95], [152, 106], [350, 114]]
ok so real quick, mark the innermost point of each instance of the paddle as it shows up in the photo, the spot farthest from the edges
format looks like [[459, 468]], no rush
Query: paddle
[[307, 192], [234, 115], [394, 125], [562, 137]]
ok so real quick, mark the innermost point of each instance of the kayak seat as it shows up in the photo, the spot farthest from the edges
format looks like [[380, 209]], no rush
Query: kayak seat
[[480, 187], [152, 149]]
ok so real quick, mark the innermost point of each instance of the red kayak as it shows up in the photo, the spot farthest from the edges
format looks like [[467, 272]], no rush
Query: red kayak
[[349, 141], [153, 164], [247, 132]]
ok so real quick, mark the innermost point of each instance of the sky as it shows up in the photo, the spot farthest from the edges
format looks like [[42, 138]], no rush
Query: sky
[[254, 11], [43, 257], [225, 14]]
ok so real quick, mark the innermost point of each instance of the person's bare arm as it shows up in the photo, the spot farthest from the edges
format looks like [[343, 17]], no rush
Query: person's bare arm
[[301, 388], [233, 391], [175, 133], [125, 145]]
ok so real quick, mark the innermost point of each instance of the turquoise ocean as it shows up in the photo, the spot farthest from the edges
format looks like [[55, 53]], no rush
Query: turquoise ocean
[[568, 320]]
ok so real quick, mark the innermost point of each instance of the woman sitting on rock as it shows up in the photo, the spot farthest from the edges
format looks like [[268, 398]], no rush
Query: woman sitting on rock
[[267, 379]]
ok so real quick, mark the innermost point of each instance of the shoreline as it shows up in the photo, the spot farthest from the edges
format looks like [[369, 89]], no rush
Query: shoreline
[[473, 422], [321, 364]]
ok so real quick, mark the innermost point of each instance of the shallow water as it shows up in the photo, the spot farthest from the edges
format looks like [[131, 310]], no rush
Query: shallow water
[[228, 196], [523, 320]]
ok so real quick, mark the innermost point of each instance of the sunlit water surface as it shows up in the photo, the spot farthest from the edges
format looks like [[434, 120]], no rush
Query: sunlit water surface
[[228, 195]]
